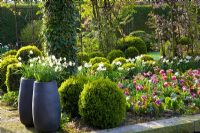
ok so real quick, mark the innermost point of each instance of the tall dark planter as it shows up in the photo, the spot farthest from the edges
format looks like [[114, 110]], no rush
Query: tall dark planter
[[46, 106], [25, 101]]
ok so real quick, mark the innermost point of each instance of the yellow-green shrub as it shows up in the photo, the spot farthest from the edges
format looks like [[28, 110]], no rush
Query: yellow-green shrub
[[102, 104], [105, 65], [98, 60], [120, 59], [25, 55], [8, 53], [115, 54], [13, 77], [69, 94]]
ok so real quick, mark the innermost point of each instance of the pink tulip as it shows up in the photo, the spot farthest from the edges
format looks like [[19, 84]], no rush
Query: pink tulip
[[173, 77], [166, 84]]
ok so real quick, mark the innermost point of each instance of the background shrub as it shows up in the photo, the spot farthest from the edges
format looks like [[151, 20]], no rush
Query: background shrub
[[130, 41], [120, 59], [131, 52], [184, 41], [3, 68], [102, 104], [69, 94], [106, 65], [10, 99], [96, 54], [147, 58], [82, 56], [27, 33], [8, 53], [98, 60], [24, 53], [13, 77], [115, 54]]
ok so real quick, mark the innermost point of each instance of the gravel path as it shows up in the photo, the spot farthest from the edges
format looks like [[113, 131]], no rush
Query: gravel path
[[10, 123]]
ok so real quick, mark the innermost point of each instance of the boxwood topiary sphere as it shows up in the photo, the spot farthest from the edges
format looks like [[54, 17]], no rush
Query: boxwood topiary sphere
[[3, 69], [96, 54], [98, 60], [8, 53], [13, 77], [27, 52], [102, 104], [115, 54], [69, 94], [105, 65], [130, 41], [82, 57], [146, 58], [131, 52], [120, 59]]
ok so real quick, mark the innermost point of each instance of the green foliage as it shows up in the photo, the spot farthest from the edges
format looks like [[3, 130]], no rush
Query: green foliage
[[59, 30], [147, 58], [96, 54], [131, 52], [27, 33], [98, 60], [28, 52], [69, 94], [7, 23], [115, 54], [13, 77], [184, 41], [82, 57], [128, 66], [3, 68], [120, 59], [147, 38], [130, 41], [8, 53], [10, 99], [102, 104], [105, 65]]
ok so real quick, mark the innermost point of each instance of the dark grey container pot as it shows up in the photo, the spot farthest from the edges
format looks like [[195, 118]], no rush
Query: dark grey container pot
[[25, 101], [46, 106]]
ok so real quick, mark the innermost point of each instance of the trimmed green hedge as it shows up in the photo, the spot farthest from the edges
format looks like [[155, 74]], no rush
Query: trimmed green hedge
[[7, 23]]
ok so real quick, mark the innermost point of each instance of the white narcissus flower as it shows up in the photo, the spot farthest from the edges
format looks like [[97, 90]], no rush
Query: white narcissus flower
[[101, 65], [19, 58], [120, 68], [188, 57], [177, 74], [70, 63], [30, 52], [197, 58], [19, 63], [31, 65], [80, 68]]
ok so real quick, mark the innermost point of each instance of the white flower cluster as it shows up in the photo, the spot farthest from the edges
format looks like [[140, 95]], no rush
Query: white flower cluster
[[101, 67], [52, 61], [118, 63]]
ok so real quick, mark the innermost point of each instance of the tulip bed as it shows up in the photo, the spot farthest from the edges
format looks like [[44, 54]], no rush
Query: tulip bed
[[160, 91]]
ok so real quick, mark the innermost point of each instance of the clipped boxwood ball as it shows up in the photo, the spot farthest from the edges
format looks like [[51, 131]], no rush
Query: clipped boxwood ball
[[82, 57], [98, 60], [69, 94], [9, 53], [27, 52], [120, 59], [147, 58], [96, 54], [115, 54], [102, 104], [103, 65], [13, 77], [3, 69], [131, 52]]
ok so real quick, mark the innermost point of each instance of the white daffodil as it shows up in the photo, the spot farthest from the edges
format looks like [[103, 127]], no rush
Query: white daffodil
[[188, 57], [19, 58], [197, 58], [19, 63], [31, 65], [70, 63], [80, 68], [120, 68], [30, 52], [101, 65]]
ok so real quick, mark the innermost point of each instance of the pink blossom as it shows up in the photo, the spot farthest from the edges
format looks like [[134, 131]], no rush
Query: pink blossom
[[184, 88], [170, 71], [162, 71], [144, 97], [139, 87], [166, 84], [164, 77], [120, 85], [174, 77]]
